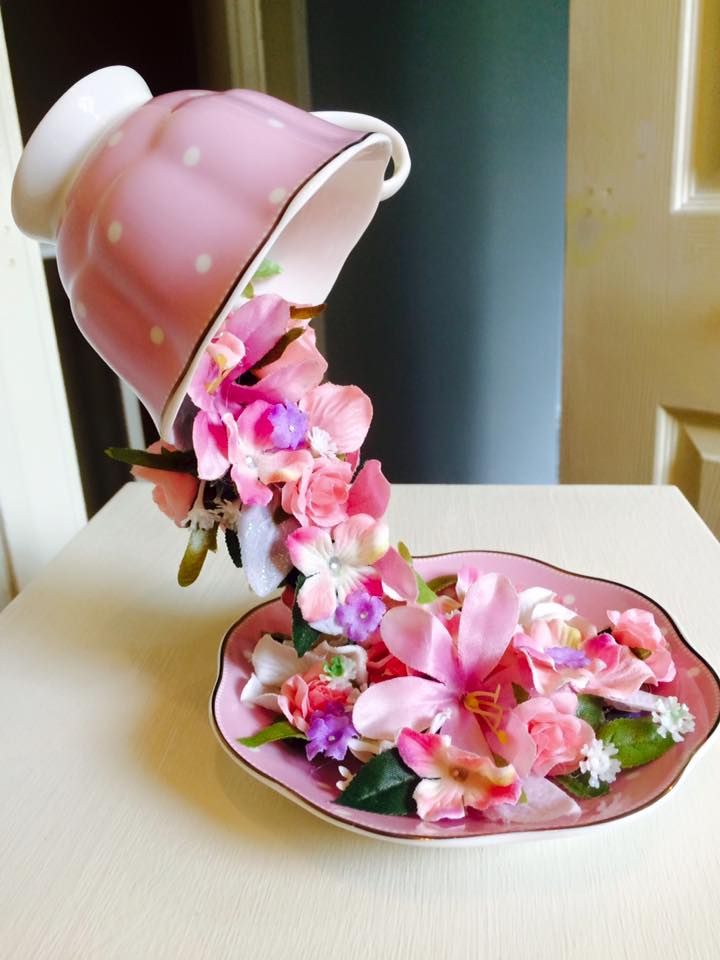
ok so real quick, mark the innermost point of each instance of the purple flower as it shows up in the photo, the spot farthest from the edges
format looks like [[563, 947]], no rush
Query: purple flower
[[360, 615], [290, 426], [329, 732], [568, 657]]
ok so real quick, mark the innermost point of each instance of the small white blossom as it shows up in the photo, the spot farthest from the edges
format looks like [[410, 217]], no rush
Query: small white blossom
[[321, 443], [672, 718], [346, 780], [599, 762]]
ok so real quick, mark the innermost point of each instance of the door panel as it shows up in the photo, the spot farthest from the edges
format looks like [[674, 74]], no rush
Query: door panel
[[642, 293]]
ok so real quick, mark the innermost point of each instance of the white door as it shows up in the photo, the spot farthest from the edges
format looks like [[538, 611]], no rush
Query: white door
[[641, 394], [41, 501]]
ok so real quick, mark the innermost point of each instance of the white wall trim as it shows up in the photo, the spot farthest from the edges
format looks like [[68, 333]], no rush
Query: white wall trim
[[41, 499]]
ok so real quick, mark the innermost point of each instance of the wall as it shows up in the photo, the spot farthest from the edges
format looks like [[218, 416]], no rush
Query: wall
[[449, 311]]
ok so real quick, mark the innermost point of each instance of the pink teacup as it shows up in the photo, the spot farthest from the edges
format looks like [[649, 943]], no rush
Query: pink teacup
[[164, 208]]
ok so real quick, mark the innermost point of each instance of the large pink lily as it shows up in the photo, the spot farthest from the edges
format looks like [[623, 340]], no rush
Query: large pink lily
[[455, 675]]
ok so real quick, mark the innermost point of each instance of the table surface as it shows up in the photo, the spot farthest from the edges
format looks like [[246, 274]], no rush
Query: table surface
[[126, 831]]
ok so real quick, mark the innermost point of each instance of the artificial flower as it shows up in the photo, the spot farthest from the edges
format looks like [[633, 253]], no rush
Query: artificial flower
[[370, 491], [247, 335], [381, 664], [335, 563], [254, 462], [319, 495], [616, 671], [553, 664], [329, 732], [289, 426], [360, 615], [454, 779], [637, 629], [454, 674], [557, 735], [342, 413], [673, 718], [599, 762], [174, 493]]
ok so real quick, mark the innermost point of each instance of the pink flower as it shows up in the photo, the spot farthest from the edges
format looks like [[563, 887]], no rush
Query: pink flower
[[370, 492], [294, 702], [617, 673], [454, 779], [254, 463], [287, 379], [319, 496], [637, 629], [558, 735], [552, 661], [321, 693], [339, 418], [174, 493], [454, 674], [335, 563], [249, 332]]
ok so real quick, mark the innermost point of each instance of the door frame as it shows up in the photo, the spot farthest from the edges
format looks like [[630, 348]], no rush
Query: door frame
[[41, 498]]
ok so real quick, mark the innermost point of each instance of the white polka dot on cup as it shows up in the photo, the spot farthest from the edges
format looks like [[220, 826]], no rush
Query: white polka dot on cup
[[115, 138], [114, 231], [203, 263], [191, 157], [157, 335], [277, 195], [274, 122], [80, 310]]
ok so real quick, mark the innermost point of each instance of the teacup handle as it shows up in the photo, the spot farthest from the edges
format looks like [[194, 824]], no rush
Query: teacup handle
[[366, 124]]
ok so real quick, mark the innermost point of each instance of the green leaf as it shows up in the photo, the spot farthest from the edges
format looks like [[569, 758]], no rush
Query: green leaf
[[520, 693], [275, 352], [405, 553], [267, 269], [178, 461], [425, 594], [335, 667], [641, 653], [194, 557], [578, 785], [232, 542], [637, 740], [281, 730], [438, 584], [304, 636], [249, 292], [590, 709], [383, 785]]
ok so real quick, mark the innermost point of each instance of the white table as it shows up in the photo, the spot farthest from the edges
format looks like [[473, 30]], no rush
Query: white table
[[125, 830]]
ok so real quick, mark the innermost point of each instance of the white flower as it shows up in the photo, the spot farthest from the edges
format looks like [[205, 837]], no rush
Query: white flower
[[599, 762], [321, 443], [346, 780], [672, 718], [340, 669]]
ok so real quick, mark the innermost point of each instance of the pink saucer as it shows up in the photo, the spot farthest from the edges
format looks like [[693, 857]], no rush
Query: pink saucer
[[286, 770]]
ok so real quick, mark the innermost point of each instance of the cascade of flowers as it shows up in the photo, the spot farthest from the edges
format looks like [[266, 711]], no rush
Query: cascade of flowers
[[459, 697]]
